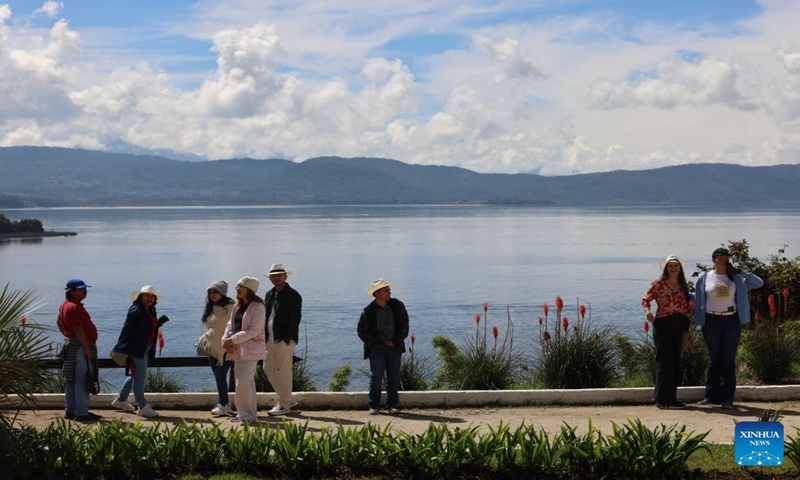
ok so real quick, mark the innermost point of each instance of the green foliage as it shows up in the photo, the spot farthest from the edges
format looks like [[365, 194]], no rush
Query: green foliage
[[341, 378], [769, 350], [416, 371], [24, 225], [121, 450], [161, 381], [480, 364], [638, 359], [577, 355]]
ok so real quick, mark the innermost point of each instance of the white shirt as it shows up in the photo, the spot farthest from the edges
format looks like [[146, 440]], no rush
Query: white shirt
[[720, 293]]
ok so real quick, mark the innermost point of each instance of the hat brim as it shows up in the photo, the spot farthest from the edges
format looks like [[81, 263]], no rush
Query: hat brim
[[287, 272], [663, 265], [371, 291], [136, 294]]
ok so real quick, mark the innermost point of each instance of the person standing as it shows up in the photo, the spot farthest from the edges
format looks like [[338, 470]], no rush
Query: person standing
[[216, 315], [671, 294], [284, 310], [138, 340], [244, 340], [80, 351], [383, 327], [721, 308]]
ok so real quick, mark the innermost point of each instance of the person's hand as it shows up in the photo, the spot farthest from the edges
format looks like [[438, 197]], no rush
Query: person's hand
[[651, 318], [89, 354], [389, 343]]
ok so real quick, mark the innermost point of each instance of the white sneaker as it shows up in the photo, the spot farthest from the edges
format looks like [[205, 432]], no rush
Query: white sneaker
[[147, 412], [278, 409], [221, 410], [373, 411], [395, 411], [123, 405]]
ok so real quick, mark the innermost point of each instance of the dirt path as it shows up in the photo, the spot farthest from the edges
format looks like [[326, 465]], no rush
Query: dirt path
[[719, 423]]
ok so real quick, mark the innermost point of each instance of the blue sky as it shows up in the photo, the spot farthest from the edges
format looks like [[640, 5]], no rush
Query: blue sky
[[540, 86]]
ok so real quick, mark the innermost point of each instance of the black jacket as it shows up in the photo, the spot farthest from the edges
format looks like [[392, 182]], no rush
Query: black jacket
[[368, 326], [288, 307], [137, 331]]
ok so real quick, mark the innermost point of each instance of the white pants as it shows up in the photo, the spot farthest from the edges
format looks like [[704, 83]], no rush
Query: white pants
[[278, 367], [245, 398]]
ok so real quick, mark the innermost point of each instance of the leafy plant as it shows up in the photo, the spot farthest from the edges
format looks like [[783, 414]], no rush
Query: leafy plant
[[769, 350], [575, 356], [341, 378], [480, 364], [415, 371]]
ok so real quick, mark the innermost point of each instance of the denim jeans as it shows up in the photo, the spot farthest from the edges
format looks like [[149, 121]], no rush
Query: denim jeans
[[384, 359], [668, 337], [76, 397], [221, 376], [137, 381], [721, 334]]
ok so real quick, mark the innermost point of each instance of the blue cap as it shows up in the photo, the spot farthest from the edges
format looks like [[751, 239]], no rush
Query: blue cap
[[76, 283]]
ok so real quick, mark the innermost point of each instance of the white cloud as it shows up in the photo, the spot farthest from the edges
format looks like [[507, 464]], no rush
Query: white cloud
[[49, 8], [516, 64]]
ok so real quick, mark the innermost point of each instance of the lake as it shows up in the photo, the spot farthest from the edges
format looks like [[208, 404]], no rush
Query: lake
[[444, 261]]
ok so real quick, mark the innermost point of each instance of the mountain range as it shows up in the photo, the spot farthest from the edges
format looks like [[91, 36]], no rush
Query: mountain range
[[46, 176]]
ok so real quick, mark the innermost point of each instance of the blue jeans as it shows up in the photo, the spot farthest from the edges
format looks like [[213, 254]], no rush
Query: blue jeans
[[221, 376], [76, 397], [721, 334], [137, 381], [384, 359]]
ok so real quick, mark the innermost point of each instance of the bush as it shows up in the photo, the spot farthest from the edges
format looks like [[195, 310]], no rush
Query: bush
[[416, 371], [341, 378], [161, 381], [770, 349], [479, 364], [577, 357]]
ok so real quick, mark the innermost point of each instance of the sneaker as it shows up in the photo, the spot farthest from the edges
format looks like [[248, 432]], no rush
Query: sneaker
[[69, 415], [147, 412], [221, 410], [123, 405], [395, 411], [727, 405], [706, 402], [278, 409], [677, 404], [89, 417], [373, 411]]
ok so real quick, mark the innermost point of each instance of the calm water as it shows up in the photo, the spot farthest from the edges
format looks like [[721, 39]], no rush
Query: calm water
[[445, 261]]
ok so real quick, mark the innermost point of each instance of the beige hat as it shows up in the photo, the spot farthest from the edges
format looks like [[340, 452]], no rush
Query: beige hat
[[145, 289], [249, 282], [377, 285], [671, 258], [277, 269]]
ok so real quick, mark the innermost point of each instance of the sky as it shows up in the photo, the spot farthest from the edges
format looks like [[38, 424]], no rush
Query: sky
[[551, 87]]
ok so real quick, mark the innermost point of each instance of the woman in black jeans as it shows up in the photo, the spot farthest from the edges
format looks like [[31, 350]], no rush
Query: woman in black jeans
[[671, 294]]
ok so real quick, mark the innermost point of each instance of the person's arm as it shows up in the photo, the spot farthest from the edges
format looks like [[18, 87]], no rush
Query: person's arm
[[363, 334], [752, 280], [649, 296], [60, 324], [257, 317]]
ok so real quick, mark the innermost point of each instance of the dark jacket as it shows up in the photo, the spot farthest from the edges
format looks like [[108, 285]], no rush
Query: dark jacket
[[137, 332], [368, 326], [288, 307]]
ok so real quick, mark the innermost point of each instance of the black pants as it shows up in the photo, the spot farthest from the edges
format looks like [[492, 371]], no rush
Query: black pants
[[668, 337]]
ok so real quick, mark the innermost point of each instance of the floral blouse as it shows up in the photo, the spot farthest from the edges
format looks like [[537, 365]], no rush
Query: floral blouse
[[668, 300]]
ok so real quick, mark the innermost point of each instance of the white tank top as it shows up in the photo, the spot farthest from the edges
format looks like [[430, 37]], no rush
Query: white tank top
[[720, 293]]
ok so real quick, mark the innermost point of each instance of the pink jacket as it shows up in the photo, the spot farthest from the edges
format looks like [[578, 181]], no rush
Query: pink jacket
[[251, 340]]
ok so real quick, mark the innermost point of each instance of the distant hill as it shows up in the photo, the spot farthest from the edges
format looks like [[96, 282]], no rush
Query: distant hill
[[56, 176]]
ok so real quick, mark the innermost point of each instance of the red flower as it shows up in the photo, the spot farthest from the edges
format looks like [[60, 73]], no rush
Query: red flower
[[565, 323], [477, 318], [785, 293], [160, 340], [758, 315], [773, 310], [546, 309], [541, 320], [582, 310], [559, 303], [546, 335], [771, 299], [413, 339], [691, 304], [485, 307], [646, 327], [495, 332], [23, 319]]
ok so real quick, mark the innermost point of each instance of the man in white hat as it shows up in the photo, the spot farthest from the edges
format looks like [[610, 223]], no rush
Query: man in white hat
[[383, 327], [284, 306]]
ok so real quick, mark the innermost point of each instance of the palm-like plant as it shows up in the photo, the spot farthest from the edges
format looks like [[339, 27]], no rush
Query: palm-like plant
[[24, 346]]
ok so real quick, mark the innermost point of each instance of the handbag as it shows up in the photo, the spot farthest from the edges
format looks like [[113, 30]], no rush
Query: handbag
[[204, 347], [92, 383], [119, 358]]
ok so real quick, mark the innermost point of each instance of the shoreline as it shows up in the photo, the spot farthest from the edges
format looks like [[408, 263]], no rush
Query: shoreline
[[17, 235]]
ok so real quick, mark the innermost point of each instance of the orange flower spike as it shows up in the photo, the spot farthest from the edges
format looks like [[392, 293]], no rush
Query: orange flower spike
[[565, 323], [495, 332], [771, 299], [485, 307], [477, 318], [559, 303], [773, 309], [546, 309], [646, 327], [541, 320], [546, 335], [582, 310], [23, 320], [413, 338], [160, 340], [785, 293]]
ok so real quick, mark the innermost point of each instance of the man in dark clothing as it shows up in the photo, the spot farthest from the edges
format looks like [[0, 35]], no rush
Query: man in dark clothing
[[284, 306], [383, 327]]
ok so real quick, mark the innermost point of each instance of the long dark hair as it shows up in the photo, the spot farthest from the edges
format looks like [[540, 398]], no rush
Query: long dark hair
[[223, 302], [681, 279]]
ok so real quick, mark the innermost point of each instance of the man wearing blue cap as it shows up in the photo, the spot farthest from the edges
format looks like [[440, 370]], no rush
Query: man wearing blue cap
[[80, 352]]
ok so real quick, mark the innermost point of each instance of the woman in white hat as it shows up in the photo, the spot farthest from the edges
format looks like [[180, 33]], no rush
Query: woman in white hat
[[245, 339], [671, 294], [138, 340], [215, 319]]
